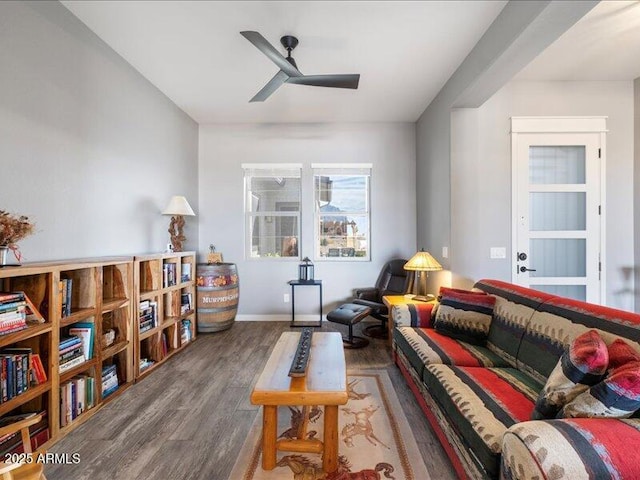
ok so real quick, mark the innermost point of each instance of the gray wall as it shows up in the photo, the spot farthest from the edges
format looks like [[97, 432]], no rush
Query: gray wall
[[521, 31], [390, 147], [88, 148], [481, 176]]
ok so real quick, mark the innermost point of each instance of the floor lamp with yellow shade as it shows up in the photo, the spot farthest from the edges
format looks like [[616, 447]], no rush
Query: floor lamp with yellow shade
[[422, 263]]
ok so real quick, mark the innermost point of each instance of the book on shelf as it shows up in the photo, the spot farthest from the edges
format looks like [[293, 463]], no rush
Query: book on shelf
[[145, 363], [38, 432], [186, 301], [75, 352], [15, 372], [86, 332], [39, 372], [9, 297], [65, 290], [186, 273], [168, 274], [13, 312], [185, 331], [33, 315], [76, 397], [72, 363], [71, 353], [148, 315], [109, 380]]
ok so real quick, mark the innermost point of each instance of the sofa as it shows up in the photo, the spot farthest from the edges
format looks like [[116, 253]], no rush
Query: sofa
[[479, 399]]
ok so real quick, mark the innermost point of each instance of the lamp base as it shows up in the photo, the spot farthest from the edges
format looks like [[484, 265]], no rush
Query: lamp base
[[176, 232]]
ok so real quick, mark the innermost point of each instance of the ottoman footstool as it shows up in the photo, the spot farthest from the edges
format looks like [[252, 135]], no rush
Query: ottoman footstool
[[349, 314]]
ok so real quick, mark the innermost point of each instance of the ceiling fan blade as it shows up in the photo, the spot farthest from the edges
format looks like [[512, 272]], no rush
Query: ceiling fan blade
[[265, 47], [271, 86], [335, 81]]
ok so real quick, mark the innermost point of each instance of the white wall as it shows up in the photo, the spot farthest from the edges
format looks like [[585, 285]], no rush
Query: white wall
[[390, 147], [481, 176], [88, 148]]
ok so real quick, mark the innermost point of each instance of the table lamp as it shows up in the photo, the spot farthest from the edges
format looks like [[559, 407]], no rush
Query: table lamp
[[421, 263], [178, 207]]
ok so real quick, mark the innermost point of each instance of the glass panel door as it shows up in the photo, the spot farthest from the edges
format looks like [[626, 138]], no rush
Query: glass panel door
[[558, 196]]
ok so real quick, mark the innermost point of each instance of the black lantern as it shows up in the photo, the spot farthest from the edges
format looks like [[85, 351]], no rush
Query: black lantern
[[305, 270]]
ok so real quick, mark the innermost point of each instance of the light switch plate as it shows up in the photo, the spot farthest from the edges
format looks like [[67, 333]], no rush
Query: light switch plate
[[498, 252], [445, 252]]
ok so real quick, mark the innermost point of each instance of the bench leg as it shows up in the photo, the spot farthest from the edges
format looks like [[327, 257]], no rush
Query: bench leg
[[330, 457], [269, 435]]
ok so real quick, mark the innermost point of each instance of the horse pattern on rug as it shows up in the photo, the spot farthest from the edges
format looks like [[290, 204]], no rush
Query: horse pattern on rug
[[305, 469], [372, 444]]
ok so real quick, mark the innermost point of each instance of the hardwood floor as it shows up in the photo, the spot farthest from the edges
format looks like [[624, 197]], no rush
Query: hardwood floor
[[189, 418]]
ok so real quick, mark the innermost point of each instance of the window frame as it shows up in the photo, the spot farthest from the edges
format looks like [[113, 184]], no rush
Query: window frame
[[278, 171], [341, 169]]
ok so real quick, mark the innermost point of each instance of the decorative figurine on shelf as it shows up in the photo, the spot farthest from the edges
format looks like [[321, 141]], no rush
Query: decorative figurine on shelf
[[213, 256], [305, 270]]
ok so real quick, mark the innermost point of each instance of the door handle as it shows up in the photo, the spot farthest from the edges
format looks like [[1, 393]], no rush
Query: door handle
[[525, 269]]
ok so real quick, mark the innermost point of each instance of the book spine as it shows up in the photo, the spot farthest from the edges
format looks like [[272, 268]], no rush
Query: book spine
[[7, 297], [72, 363], [69, 296]]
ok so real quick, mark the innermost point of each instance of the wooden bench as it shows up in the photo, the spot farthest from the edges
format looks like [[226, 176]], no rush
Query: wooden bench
[[324, 384]]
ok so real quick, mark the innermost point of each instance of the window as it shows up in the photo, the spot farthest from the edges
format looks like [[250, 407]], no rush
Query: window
[[272, 210], [342, 211]]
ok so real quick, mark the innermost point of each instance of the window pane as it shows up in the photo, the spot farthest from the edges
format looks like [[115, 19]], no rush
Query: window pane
[[558, 257], [577, 292], [343, 235], [274, 236], [551, 211], [267, 192], [342, 193], [557, 164]]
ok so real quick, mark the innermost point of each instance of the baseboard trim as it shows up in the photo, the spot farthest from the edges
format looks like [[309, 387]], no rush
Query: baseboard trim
[[277, 318], [287, 318]]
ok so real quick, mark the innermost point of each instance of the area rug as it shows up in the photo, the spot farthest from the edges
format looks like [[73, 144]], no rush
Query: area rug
[[376, 441]]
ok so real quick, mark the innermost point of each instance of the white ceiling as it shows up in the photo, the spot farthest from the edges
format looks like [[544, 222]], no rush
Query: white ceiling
[[193, 52], [603, 45]]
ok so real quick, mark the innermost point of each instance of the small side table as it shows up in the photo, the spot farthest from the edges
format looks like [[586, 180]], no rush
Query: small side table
[[390, 301], [304, 283]]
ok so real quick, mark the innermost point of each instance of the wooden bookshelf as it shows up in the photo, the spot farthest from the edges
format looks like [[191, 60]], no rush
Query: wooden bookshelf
[[163, 281], [100, 296], [104, 296]]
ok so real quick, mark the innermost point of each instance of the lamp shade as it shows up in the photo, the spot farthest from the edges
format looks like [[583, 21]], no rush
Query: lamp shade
[[178, 205], [422, 262]]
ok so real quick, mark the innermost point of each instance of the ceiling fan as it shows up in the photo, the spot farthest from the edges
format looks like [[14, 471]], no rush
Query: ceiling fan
[[289, 72]]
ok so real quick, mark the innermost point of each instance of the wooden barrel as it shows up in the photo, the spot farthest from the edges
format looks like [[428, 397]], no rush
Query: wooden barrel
[[218, 293]]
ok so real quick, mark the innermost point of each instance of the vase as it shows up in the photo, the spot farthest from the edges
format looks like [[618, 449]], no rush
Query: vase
[[4, 255]]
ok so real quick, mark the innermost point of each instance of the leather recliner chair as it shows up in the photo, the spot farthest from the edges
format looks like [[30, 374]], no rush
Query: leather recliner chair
[[393, 280]]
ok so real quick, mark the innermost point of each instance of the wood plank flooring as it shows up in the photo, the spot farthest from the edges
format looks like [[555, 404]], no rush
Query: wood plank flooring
[[188, 419]]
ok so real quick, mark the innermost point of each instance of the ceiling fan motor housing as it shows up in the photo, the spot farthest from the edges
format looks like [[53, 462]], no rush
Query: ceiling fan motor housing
[[289, 42]]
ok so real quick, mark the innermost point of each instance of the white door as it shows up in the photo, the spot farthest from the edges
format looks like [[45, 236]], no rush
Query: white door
[[558, 213]]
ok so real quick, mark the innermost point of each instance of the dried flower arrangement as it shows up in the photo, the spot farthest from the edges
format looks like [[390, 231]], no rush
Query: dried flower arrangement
[[14, 228]]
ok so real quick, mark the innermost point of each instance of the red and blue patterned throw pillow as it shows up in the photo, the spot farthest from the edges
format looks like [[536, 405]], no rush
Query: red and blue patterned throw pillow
[[464, 315], [621, 353], [617, 396], [582, 365]]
